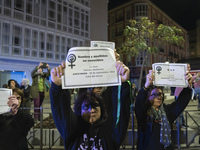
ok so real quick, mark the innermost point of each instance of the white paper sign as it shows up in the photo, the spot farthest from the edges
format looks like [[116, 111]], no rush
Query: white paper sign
[[103, 44], [90, 67], [4, 94], [170, 74]]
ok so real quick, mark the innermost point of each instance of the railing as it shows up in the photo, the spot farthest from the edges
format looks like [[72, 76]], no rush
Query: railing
[[33, 141], [188, 143], [198, 128], [53, 140]]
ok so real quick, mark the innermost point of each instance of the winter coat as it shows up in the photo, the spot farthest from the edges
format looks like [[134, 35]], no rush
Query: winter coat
[[78, 134]]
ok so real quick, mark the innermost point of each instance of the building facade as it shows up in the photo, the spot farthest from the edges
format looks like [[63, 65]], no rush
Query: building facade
[[33, 31], [194, 40], [194, 48], [118, 19]]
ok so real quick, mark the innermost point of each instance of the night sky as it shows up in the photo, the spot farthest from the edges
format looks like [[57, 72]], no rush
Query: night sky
[[184, 12]]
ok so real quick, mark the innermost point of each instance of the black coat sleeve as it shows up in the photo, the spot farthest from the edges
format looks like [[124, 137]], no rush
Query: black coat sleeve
[[174, 109], [141, 106], [120, 129], [67, 122]]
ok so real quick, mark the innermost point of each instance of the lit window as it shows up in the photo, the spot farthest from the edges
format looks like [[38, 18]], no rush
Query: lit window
[[141, 10]]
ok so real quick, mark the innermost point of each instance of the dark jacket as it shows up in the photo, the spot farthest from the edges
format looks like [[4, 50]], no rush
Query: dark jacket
[[34, 87], [77, 133], [13, 131], [149, 133], [26, 92]]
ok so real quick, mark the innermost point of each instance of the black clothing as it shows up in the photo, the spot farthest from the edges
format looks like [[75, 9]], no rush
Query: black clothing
[[78, 134], [149, 129], [27, 100], [13, 131]]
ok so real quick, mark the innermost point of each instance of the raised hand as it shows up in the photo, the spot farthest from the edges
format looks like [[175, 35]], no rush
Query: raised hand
[[47, 66], [13, 102], [56, 74], [123, 71], [188, 77], [40, 64], [149, 78], [117, 56]]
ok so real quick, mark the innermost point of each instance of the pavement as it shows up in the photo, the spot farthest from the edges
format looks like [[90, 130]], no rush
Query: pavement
[[191, 115]]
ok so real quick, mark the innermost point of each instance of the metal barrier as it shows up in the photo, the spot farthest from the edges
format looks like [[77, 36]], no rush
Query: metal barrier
[[188, 143], [198, 128], [31, 135], [52, 144]]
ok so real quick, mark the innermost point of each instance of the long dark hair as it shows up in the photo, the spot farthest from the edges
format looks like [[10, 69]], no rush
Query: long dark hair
[[90, 97], [16, 83]]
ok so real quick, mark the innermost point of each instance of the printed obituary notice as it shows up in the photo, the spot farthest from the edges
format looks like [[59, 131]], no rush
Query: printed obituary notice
[[170, 74], [103, 44], [90, 67], [4, 94]]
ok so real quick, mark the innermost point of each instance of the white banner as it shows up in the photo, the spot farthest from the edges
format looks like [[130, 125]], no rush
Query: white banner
[[103, 44], [4, 94], [170, 74], [90, 67]]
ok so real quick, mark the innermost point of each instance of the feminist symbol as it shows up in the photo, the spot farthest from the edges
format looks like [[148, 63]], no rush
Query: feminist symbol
[[71, 58], [158, 68], [95, 45]]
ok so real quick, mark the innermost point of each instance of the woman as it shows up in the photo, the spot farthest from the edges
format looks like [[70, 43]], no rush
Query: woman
[[26, 89], [38, 87], [14, 126], [155, 118], [13, 84], [92, 125]]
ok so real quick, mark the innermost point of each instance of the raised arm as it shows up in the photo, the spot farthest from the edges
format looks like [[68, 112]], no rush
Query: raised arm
[[177, 107], [141, 99], [120, 128], [64, 117], [34, 72]]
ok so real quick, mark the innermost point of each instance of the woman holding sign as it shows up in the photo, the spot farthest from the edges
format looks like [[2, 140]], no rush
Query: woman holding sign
[[155, 118], [14, 125], [92, 125]]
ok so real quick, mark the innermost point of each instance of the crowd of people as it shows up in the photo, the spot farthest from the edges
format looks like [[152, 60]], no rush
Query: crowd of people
[[95, 122]]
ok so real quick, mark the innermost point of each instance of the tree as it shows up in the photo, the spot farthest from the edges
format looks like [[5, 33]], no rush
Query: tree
[[144, 35]]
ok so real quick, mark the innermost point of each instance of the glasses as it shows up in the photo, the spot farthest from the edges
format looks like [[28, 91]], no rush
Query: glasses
[[90, 106], [157, 95]]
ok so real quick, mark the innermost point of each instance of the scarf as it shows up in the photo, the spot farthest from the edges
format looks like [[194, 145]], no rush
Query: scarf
[[165, 129]]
